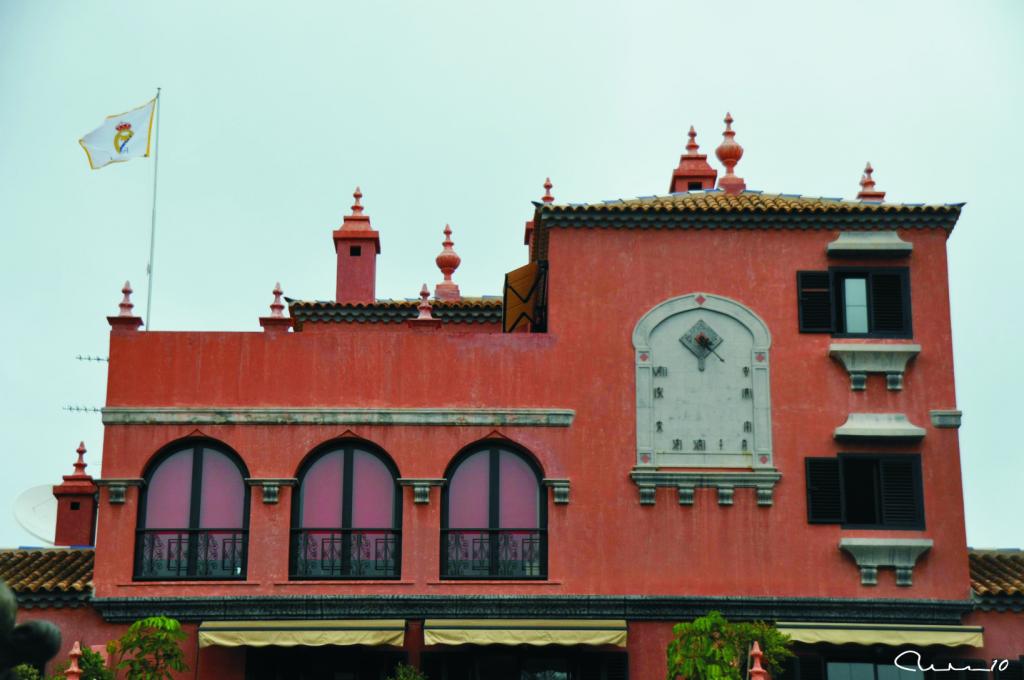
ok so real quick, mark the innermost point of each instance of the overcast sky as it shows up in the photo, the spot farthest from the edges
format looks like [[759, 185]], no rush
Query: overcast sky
[[456, 112]]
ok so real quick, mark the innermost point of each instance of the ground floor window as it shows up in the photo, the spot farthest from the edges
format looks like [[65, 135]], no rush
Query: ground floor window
[[525, 663], [321, 663]]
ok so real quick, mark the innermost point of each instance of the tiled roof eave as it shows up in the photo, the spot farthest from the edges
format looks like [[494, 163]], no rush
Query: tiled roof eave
[[999, 603]]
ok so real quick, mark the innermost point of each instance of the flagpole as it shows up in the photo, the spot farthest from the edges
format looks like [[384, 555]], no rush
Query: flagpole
[[152, 224]]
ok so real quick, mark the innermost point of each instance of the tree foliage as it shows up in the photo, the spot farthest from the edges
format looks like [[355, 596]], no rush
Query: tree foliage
[[711, 648], [149, 650], [405, 672]]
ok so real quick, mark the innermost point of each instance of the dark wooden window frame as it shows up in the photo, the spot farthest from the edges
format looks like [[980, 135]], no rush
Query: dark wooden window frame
[[836, 303], [347, 447], [917, 482], [493, 510], [196, 446]]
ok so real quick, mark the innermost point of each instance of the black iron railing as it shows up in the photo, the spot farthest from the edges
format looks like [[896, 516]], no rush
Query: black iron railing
[[346, 553], [494, 553], [190, 553]]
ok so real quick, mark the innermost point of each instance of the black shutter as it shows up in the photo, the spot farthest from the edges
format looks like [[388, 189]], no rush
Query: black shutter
[[824, 503], [901, 492], [814, 301], [888, 308]]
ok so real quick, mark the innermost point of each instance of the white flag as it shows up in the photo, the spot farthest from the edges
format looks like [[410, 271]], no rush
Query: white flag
[[121, 137]]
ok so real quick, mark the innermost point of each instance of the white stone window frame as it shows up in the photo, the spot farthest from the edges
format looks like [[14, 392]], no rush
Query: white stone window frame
[[759, 363]]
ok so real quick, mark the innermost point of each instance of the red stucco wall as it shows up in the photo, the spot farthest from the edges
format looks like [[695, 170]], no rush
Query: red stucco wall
[[1004, 634]]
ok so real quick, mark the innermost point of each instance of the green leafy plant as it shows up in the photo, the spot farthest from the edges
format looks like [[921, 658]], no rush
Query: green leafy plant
[[406, 672], [149, 650], [24, 671], [711, 648], [92, 664]]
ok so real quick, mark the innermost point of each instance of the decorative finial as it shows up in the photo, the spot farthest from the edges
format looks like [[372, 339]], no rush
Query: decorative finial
[[691, 146], [80, 464], [447, 261], [867, 186], [756, 671], [74, 671], [424, 305], [357, 207], [126, 304], [730, 153], [277, 307], [548, 198]]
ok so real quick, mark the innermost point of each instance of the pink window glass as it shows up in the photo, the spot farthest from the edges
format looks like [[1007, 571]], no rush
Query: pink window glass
[[373, 492], [469, 493], [321, 492], [518, 493], [169, 493], [222, 504]]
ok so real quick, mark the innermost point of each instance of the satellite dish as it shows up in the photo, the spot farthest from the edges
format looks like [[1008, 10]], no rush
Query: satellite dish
[[35, 509]]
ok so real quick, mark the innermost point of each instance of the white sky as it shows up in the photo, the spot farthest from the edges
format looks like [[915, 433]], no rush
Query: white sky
[[455, 112]]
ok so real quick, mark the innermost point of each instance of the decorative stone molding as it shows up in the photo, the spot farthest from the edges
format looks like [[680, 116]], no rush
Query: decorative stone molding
[[241, 415], [869, 244], [724, 483], [859, 360], [884, 426], [421, 487], [559, 490], [946, 418], [899, 553], [117, 489], [271, 488]]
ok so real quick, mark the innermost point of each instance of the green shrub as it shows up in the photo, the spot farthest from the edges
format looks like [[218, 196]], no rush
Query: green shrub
[[406, 672], [711, 648], [92, 665], [149, 650], [23, 671]]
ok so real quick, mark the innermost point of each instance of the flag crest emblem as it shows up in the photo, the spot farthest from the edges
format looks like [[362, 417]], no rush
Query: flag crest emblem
[[123, 136]]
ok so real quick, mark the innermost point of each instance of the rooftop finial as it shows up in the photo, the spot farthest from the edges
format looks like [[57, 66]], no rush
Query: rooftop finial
[[277, 307], [867, 186], [126, 304], [74, 671], [756, 671], [357, 207], [730, 153], [80, 464], [447, 261], [424, 305], [548, 198], [691, 146]]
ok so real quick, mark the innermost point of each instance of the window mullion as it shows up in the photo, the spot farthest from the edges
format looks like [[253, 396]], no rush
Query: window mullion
[[195, 510], [346, 510], [494, 510]]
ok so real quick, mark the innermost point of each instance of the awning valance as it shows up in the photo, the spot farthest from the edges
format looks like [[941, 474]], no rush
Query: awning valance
[[302, 633], [883, 634], [524, 632]]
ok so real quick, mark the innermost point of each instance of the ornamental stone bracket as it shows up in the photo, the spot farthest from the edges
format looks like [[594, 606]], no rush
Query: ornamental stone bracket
[[117, 489], [878, 427], [900, 553], [859, 360], [725, 483], [271, 488], [869, 244], [559, 490], [946, 418], [421, 487]]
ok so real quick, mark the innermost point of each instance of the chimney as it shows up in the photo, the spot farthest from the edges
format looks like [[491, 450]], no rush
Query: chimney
[[357, 246], [693, 173], [76, 506]]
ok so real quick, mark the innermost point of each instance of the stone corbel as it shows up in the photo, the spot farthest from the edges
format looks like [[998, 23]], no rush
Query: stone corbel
[[559, 490], [878, 427], [898, 553], [271, 488], [859, 360], [946, 418], [869, 244], [421, 487], [763, 480], [117, 489]]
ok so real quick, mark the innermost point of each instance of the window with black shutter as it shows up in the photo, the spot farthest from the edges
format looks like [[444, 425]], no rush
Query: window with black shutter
[[866, 491], [855, 302]]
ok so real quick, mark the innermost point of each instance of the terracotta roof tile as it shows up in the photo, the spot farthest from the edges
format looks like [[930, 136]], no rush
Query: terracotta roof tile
[[47, 571], [997, 572], [466, 311]]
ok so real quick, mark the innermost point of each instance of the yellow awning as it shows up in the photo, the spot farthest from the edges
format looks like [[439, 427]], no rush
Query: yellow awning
[[883, 634], [302, 633], [524, 632]]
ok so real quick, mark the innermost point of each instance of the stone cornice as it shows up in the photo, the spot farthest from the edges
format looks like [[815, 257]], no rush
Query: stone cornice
[[244, 415]]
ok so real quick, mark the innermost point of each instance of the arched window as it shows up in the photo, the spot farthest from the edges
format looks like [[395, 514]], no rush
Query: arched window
[[347, 515], [194, 515], [494, 518]]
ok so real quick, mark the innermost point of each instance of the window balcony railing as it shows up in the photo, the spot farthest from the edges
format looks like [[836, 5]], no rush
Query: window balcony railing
[[494, 553], [190, 554], [346, 554]]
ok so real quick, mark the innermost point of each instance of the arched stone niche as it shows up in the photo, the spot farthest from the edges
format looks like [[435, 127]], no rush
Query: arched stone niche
[[703, 397]]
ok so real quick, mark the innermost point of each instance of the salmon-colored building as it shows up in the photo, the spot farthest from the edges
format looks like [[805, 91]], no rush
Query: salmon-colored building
[[709, 399]]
